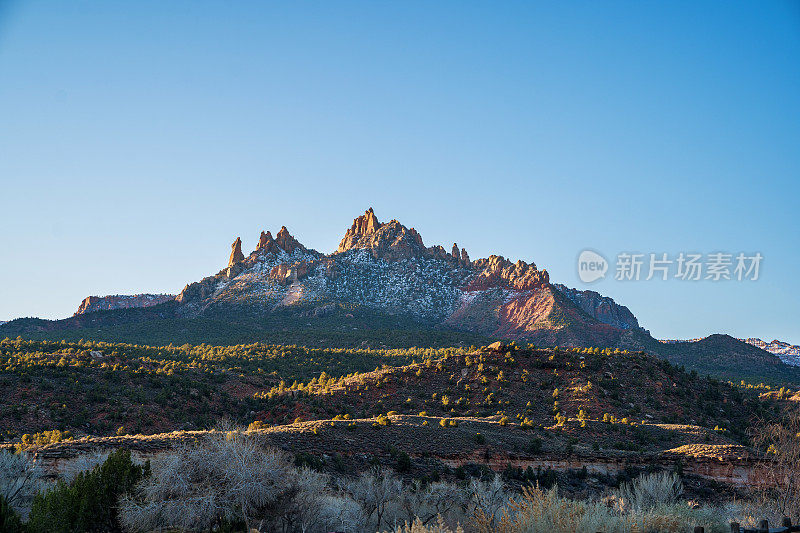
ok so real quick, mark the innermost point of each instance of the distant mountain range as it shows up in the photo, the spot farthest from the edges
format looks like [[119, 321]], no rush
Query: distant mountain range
[[788, 353], [384, 286]]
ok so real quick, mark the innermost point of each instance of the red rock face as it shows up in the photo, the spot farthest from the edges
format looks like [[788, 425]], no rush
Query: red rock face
[[90, 304]]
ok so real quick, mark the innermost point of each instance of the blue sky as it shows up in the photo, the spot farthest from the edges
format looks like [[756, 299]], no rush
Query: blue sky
[[137, 139]]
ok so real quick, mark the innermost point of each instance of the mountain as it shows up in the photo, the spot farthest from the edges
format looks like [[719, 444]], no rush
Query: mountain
[[788, 353], [92, 304], [384, 287]]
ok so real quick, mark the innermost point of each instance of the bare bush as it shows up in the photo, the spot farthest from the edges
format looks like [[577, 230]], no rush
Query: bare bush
[[376, 492], [779, 491], [20, 480], [83, 463], [341, 513], [307, 506], [227, 476], [446, 501], [485, 500]]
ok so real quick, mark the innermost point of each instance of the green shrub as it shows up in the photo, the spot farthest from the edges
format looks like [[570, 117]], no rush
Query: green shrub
[[89, 502], [9, 519], [535, 445]]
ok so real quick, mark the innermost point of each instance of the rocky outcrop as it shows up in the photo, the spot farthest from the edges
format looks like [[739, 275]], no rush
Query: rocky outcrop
[[91, 304], [200, 290], [236, 252], [497, 271], [601, 307], [285, 273]]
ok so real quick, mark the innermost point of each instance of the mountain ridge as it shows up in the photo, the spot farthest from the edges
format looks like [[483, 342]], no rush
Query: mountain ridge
[[385, 271]]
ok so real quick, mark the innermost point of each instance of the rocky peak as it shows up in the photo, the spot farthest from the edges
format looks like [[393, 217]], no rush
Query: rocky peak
[[365, 224], [236, 252], [391, 241], [287, 243]]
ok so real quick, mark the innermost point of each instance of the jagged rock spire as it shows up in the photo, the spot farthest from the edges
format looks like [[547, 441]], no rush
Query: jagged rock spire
[[265, 242], [285, 240], [454, 252], [236, 252]]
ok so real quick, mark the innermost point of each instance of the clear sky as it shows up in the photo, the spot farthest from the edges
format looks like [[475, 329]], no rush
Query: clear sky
[[138, 139]]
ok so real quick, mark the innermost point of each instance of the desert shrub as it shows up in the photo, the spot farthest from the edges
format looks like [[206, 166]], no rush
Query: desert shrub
[[228, 476], [382, 420], [20, 480], [538, 510], [42, 439], [649, 491], [88, 502], [417, 526]]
